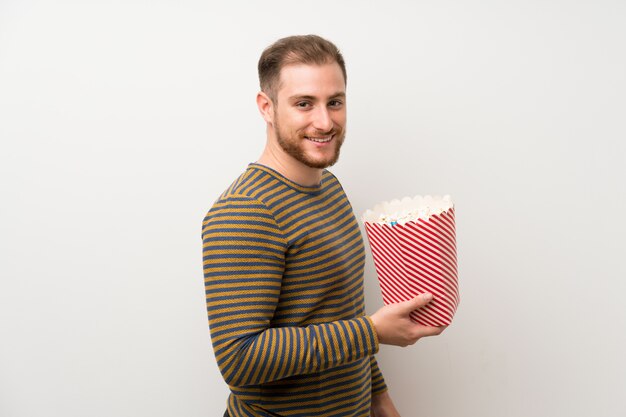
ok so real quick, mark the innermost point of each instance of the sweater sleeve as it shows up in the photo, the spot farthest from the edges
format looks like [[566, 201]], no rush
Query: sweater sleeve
[[243, 262]]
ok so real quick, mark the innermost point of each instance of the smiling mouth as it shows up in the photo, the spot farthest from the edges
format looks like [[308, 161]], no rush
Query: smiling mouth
[[320, 139]]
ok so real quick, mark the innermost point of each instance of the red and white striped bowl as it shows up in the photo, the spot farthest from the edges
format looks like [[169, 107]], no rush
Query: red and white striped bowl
[[418, 257]]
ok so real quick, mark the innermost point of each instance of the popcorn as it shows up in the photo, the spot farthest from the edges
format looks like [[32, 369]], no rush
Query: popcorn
[[413, 243], [408, 209]]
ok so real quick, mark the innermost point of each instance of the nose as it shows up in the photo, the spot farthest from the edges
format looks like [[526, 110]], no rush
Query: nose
[[322, 120]]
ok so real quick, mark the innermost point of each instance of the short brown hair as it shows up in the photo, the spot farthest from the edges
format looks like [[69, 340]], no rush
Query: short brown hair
[[302, 49]]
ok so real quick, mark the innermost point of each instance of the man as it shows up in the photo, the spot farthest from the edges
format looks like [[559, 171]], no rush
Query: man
[[284, 257]]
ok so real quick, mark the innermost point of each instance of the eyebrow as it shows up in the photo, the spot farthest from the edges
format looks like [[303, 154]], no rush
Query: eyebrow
[[312, 98]]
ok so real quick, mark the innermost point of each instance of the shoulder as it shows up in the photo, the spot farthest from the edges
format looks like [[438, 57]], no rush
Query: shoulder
[[238, 206], [330, 179], [332, 183], [233, 216], [238, 201]]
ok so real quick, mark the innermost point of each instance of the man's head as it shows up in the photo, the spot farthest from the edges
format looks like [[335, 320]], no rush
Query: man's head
[[302, 98], [293, 50]]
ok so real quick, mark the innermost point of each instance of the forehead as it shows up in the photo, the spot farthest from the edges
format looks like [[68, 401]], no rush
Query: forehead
[[312, 80]]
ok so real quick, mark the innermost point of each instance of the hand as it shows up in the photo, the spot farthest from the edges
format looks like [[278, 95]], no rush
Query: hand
[[382, 406], [395, 327]]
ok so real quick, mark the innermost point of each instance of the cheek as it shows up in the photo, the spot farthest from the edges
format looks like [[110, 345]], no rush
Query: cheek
[[295, 120], [339, 118], [299, 123]]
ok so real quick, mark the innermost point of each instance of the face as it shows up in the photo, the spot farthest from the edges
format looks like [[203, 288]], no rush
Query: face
[[310, 113]]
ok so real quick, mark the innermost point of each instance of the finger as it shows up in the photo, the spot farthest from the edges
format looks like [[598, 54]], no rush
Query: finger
[[418, 302], [426, 331]]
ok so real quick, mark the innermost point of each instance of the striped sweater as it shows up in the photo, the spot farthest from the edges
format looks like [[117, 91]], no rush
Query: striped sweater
[[283, 273]]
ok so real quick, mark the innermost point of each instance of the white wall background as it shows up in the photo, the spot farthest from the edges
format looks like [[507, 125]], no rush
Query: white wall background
[[121, 122]]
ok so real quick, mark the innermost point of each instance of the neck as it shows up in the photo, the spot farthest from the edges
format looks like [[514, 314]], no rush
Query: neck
[[274, 157]]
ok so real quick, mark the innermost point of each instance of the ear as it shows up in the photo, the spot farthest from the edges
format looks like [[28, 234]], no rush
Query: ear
[[266, 106]]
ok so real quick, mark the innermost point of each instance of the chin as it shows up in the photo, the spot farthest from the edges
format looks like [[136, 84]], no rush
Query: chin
[[321, 164]]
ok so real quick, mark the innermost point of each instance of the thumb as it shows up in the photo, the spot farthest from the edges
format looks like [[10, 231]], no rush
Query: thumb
[[417, 302]]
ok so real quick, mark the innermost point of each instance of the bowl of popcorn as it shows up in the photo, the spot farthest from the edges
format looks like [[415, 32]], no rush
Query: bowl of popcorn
[[413, 244]]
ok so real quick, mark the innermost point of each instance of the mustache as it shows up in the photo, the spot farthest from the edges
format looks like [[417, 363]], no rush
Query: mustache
[[318, 133]]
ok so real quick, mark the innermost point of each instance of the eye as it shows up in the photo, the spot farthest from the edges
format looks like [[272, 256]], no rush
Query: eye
[[335, 103], [303, 104]]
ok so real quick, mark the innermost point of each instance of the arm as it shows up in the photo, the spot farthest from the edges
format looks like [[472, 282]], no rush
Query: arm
[[243, 262], [395, 327], [382, 406]]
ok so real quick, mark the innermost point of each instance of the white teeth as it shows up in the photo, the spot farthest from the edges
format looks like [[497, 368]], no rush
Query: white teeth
[[320, 140]]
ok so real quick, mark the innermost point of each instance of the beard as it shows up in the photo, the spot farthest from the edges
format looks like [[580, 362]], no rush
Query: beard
[[293, 145]]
